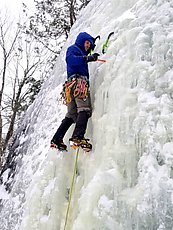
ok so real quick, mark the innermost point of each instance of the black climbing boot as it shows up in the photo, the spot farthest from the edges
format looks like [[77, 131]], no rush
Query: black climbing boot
[[83, 143], [59, 145]]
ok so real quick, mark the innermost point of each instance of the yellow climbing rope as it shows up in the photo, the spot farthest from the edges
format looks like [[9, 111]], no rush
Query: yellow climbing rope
[[71, 188]]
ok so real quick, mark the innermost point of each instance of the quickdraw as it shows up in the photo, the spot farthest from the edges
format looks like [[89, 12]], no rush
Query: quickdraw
[[68, 95], [66, 92]]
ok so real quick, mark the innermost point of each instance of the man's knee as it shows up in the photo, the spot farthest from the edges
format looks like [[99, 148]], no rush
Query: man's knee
[[72, 111], [88, 111], [72, 116], [84, 105]]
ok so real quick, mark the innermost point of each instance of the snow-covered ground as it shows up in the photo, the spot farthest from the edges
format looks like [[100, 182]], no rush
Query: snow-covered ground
[[126, 183]]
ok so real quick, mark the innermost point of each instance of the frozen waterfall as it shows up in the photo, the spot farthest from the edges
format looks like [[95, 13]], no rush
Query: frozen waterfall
[[126, 183]]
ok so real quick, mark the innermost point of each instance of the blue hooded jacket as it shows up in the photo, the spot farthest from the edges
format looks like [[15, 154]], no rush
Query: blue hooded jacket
[[76, 63]]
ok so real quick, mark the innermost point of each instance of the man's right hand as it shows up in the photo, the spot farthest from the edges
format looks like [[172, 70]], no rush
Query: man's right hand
[[92, 57]]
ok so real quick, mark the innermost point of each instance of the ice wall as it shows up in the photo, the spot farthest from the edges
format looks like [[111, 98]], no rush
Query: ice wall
[[126, 183]]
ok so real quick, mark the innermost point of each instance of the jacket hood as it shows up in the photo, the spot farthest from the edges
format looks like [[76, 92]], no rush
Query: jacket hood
[[81, 38]]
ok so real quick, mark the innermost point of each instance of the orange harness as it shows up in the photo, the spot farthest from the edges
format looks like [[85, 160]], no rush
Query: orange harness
[[80, 87]]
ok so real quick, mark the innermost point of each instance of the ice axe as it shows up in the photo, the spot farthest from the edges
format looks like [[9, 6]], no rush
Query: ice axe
[[105, 46], [101, 60]]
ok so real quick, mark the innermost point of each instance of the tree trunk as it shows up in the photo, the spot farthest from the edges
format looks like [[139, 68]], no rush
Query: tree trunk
[[1, 93], [72, 13], [13, 117]]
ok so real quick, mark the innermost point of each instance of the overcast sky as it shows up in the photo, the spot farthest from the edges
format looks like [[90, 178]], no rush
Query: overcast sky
[[14, 6]]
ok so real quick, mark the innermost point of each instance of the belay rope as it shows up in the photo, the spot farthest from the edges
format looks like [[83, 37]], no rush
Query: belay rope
[[71, 189]]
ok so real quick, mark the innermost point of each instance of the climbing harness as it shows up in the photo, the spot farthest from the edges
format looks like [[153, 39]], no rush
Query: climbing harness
[[78, 87], [71, 189], [81, 89]]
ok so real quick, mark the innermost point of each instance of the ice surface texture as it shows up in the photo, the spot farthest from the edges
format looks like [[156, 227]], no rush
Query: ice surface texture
[[127, 182]]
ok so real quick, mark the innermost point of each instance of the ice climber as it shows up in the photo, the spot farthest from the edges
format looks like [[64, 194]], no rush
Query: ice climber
[[76, 93]]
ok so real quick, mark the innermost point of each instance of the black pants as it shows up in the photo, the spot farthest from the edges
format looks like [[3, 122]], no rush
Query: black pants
[[78, 111]]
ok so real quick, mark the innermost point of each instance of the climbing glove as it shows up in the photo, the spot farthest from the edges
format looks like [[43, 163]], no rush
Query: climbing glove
[[92, 57]]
